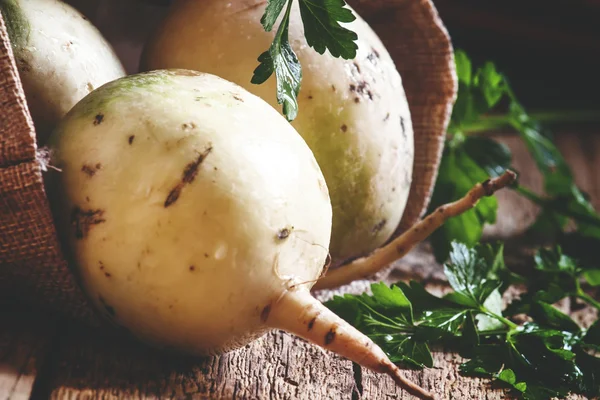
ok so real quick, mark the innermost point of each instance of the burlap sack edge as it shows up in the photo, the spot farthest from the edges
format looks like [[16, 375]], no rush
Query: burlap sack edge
[[32, 267]]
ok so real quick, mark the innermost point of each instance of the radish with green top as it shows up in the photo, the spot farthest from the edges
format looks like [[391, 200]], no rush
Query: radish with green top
[[60, 55], [352, 113], [197, 217]]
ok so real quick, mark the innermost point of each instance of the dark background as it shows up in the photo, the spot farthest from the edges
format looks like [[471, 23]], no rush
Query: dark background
[[549, 50]]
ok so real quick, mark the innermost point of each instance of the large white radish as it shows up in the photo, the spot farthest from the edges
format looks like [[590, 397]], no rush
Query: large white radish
[[353, 114], [60, 55], [197, 217]]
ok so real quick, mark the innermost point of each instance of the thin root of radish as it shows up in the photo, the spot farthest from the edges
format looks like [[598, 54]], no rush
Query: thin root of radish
[[297, 312], [367, 266]]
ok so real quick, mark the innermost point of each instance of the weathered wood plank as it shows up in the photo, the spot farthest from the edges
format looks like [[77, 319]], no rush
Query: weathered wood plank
[[280, 366], [24, 342]]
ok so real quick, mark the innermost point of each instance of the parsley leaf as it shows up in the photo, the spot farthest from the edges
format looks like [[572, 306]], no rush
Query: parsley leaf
[[387, 318], [480, 92], [551, 356], [555, 276], [272, 12], [321, 20], [468, 273], [462, 166], [281, 59]]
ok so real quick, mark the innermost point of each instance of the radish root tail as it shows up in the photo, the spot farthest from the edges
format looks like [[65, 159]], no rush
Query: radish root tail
[[299, 313], [365, 267]]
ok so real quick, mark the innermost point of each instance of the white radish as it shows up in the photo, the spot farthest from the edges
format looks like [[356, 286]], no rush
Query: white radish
[[197, 217], [60, 55], [353, 114]]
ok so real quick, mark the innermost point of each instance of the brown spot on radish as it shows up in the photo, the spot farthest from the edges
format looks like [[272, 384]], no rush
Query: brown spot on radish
[[89, 86], [387, 117], [206, 255], [373, 56], [83, 220], [192, 268], [188, 176], [402, 125], [284, 233], [344, 128], [101, 265], [333, 88], [188, 126], [330, 336], [379, 226], [130, 139], [107, 274], [362, 89], [357, 66], [310, 97], [264, 314], [311, 323], [109, 309], [87, 199], [356, 100], [237, 97], [394, 189], [400, 249], [98, 119], [90, 170]]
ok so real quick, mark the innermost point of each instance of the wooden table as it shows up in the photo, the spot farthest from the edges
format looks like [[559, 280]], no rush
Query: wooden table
[[42, 357]]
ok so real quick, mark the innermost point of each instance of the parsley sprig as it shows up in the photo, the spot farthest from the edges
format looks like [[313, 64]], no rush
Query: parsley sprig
[[550, 355], [469, 156], [322, 29]]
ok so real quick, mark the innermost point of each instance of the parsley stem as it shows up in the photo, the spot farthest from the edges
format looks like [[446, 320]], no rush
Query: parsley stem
[[587, 298], [559, 208], [494, 332], [500, 318], [493, 122]]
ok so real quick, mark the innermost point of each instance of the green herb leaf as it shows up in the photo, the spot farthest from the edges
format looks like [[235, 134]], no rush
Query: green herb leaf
[[468, 274], [547, 315], [272, 12], [550, 357], [508, 376], [480, 92], [321, 19], [281, 59], [461, 168], [464, 68]]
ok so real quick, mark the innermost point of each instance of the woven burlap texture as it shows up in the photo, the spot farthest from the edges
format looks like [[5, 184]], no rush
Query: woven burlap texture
[[32, 267]]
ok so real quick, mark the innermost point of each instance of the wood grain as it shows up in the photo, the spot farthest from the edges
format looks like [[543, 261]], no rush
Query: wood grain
[[87, 365]]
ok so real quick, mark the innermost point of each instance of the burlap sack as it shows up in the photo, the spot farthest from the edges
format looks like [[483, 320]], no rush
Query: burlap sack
[[32, 267]]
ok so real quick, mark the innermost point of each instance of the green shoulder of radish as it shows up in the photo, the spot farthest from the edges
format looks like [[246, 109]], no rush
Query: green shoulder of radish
[[197, 217], [60, 55], [352, 113]]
